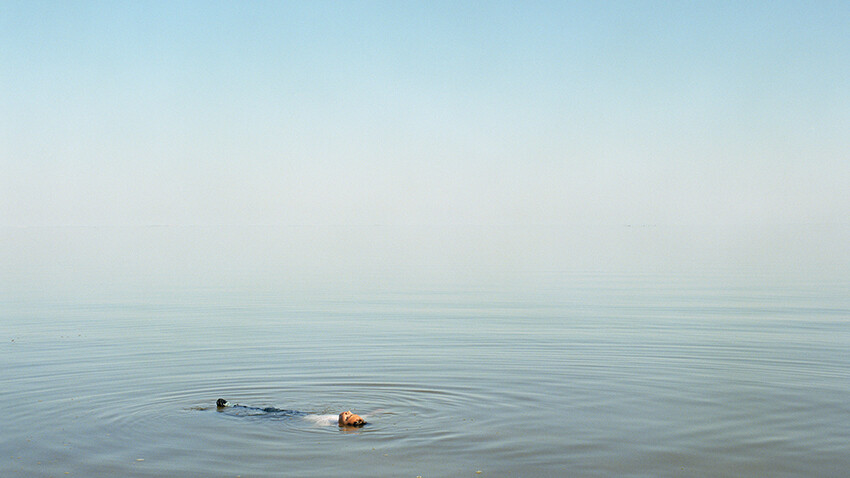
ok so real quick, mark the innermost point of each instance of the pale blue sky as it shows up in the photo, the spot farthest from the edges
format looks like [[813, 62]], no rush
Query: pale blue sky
[[130, 113]]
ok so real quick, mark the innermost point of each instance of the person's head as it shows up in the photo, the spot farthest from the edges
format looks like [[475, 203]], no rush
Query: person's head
[[221, 403], [348, 419]]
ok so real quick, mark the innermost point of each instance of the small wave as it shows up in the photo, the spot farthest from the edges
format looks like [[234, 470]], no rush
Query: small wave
[[322, 420]]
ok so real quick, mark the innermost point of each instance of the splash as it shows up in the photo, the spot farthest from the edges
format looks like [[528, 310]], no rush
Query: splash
[[322, 420]]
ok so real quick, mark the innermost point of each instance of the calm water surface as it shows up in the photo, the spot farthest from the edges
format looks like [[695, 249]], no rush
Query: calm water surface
[[577, 359]]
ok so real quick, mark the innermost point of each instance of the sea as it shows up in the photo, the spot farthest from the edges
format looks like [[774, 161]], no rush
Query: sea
[[492, 351]]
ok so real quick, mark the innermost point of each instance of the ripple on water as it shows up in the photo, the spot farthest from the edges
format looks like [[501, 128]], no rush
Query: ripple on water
[[388, 407]]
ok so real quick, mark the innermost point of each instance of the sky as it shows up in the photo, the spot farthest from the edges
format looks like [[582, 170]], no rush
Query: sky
[[424, 113]]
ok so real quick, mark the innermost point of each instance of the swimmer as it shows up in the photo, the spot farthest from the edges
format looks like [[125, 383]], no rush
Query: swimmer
[[346, 418]]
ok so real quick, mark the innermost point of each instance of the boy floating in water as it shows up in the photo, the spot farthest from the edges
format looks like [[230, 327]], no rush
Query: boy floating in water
[[346, 419]]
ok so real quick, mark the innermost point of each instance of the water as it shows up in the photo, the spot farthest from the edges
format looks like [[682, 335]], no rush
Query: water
[[535, 352]]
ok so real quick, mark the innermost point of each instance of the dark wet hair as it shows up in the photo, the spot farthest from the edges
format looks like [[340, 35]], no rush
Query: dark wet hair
[[221, 402]]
